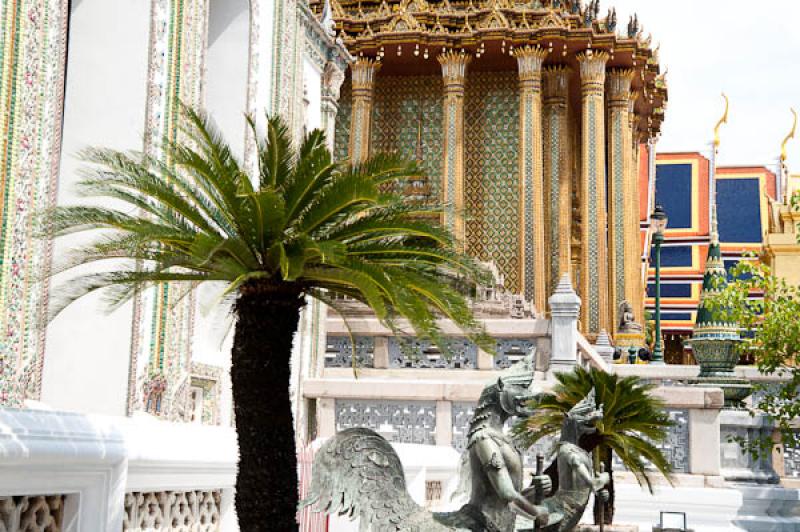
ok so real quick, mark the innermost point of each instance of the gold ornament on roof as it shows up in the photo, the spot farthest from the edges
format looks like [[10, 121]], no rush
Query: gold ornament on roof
[[789, 136], [723, 120]]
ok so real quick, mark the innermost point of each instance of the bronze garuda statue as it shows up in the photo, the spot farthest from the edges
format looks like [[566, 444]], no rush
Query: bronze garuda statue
[[357, 473]]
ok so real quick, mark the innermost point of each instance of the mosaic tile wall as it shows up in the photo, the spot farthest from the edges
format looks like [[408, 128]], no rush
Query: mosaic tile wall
[[492, 170], [32, 53], [164, 318], [408, 112]]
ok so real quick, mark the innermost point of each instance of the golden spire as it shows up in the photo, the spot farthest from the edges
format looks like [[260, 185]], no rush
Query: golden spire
[[789, 136], [723, 120]]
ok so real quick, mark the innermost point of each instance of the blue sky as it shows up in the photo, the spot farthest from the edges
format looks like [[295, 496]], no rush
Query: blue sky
[[737, 46]]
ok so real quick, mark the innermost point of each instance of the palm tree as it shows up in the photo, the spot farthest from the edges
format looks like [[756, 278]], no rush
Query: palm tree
[[634, 421], [303, 226]]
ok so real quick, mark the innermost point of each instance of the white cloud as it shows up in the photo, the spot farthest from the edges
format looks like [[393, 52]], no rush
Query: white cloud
[[747, 49]]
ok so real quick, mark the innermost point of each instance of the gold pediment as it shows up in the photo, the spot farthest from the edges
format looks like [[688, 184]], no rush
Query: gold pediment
[[552, 20], [402, 22]]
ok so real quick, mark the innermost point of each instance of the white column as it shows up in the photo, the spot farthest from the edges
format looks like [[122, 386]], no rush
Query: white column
[[565, 307]]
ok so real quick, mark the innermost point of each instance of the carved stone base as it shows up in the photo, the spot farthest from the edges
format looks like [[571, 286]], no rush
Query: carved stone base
[[622, 339]]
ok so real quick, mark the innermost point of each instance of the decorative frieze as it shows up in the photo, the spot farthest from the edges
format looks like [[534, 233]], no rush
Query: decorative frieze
[[533, 252], [172, 511], [454, 73], [32, 513], [594, 246], [397, 421]]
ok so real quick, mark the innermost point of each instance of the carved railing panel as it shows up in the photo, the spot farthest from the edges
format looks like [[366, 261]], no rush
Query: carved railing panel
[[172, 511], [791, 461], [397, 421], [32, 513], [339, 352], [676, 446], [461, 414], [414, 353], [511, 351]]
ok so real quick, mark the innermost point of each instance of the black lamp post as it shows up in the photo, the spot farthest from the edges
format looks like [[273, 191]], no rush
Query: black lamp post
[[658, 224]]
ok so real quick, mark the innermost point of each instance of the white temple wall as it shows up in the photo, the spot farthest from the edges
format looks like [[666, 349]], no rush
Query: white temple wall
[[87, 351], [226, 68]]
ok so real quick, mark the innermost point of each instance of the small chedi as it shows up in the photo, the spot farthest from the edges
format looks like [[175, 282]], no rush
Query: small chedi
[[357, 472]]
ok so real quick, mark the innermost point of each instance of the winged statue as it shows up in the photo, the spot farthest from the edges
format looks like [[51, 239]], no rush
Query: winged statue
[[358, 474]]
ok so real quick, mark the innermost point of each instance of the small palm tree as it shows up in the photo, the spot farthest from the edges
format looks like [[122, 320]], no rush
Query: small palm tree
[[303, 226], [633, 422]]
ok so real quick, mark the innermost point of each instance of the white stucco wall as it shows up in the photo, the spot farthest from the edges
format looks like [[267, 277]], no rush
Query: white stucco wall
[[226, 68], [87, 351]]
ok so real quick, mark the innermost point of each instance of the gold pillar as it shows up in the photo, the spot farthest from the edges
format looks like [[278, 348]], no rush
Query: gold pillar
[[638, 287], [557, 173], [532, 249], [594, 243], [623, 223], [454, 72], [363, 82]]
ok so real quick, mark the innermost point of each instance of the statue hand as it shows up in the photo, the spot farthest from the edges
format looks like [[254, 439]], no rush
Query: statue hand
[[604, 495], [541, 485], [601, 480]]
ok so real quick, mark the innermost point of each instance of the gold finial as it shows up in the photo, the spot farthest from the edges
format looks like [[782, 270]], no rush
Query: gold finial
[[723, 120], [789, 136]]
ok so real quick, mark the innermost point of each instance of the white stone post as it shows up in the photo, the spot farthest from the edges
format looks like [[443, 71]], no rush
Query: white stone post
[[565, 306], [604, 347]]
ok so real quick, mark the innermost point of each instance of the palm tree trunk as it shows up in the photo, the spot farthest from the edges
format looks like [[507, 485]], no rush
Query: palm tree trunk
[[266, 483]]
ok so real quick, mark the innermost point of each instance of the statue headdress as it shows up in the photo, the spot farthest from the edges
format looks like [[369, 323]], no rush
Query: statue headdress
[[521, 373]]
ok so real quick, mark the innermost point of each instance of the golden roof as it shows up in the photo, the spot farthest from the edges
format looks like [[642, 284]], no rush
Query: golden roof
[[407, 35]]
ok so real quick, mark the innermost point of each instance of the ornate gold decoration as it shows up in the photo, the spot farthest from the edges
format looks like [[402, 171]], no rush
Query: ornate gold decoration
[[594, 244], [789, 136], [363, 83], [623, 215], [723, 120], [557, 182], [533, 251], [454, 73]]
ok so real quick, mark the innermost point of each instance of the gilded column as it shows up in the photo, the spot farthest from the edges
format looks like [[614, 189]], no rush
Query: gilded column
[[557, 173], [594, 243], [638, 287], [363, 78], [454, 72], [533, 251], [623, 223]]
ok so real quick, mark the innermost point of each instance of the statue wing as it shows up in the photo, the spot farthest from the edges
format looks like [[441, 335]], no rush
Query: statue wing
[[357, 473]]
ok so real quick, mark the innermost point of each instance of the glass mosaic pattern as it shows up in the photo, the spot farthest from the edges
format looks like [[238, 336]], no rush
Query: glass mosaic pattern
[[407, 119], [397, 421], [491, 124], [418, 354]]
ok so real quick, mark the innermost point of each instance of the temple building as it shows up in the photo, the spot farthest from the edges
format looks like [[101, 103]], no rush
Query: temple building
[[527, 119], [746, 197]]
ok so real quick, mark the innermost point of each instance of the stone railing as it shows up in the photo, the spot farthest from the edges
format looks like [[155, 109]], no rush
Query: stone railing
[[66, 472], [32, 513]]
